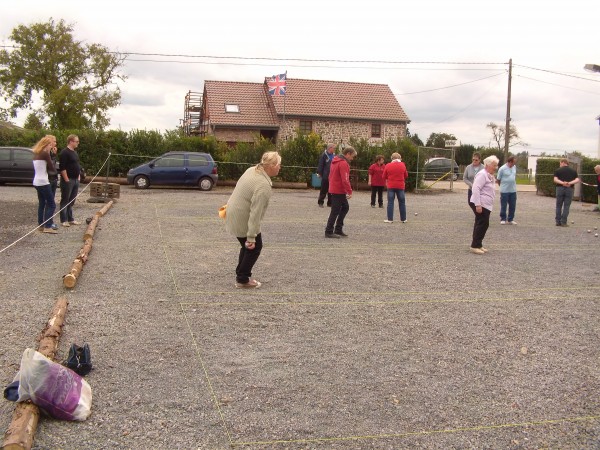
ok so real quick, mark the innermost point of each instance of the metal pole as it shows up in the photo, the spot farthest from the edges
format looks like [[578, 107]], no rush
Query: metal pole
[[507, 128]]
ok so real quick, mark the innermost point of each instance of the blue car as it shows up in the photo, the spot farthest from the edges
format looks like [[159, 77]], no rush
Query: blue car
[[176, 168]]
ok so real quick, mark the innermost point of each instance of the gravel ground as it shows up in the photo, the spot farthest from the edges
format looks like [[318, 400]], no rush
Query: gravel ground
[[395, 338]]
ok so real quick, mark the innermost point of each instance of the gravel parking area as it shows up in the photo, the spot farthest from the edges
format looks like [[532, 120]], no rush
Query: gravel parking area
[[396, 337]]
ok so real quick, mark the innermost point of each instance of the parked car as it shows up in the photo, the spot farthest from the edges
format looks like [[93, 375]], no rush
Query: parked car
[[16, 165], [436, 168], [176, 168]]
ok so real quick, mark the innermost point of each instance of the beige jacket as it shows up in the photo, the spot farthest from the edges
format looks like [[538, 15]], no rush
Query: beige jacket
[[248, 203]]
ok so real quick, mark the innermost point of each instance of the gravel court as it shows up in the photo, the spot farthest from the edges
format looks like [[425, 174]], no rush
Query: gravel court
[[388, 339]]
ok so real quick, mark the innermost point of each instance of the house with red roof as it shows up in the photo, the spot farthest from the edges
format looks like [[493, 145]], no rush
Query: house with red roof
[[238, 111]]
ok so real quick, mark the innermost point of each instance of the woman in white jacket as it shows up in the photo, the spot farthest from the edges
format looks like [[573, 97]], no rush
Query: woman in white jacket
[[42, 164]]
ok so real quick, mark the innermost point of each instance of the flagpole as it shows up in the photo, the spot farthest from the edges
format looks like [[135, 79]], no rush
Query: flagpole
[[284, 97]]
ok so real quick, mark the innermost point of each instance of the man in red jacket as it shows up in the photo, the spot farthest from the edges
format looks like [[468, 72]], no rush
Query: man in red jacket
[[340, 190]]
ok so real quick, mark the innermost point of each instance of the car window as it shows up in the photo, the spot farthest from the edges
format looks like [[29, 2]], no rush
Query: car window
[[5, 154], [197, 160], [22, 155], [169, 161]]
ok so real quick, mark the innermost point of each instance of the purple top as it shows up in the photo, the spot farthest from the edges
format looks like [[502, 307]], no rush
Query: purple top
[[483, 190]]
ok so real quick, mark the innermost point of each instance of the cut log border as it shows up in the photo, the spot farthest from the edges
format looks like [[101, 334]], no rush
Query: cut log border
[[70, 279], [21, 430]]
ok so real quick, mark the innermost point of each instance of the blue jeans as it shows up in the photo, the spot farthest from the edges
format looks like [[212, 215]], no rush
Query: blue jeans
[[510, 199], [46, 206], [68, 194], [564, 195], [391, 194]]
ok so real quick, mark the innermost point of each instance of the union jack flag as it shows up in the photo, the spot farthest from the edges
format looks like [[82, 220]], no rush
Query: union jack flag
[[277, 84]]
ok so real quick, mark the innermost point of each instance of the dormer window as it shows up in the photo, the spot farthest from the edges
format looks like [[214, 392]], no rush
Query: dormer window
[[231, 108]]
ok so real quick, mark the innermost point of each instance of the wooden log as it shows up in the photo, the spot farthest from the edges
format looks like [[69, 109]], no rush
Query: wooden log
[[70, 279], [89, 232], [105, 208], [22, 428], [51, 333]]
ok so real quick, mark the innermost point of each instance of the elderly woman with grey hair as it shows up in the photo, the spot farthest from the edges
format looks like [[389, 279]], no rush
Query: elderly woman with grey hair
[[482, 201], [245, 210]]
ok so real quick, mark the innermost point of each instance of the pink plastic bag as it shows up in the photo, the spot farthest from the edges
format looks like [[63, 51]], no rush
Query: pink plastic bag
[[54, 388]]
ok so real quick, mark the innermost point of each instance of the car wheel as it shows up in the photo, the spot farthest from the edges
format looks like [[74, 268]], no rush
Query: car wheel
[[141, 182], [205, 184]]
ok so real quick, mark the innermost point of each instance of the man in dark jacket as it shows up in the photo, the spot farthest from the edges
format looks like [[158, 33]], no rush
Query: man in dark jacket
[[323, 173], [340, 190]]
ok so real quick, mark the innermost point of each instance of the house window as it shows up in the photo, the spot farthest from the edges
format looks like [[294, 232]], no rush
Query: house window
[[231, 108], [305, 126], [375, 130]]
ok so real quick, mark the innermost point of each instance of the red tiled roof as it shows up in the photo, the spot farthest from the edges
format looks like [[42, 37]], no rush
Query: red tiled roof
[[255, 106], [338, 99], [306, 98]]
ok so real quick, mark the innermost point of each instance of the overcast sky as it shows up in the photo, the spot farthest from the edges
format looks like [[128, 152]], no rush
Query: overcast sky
[[446, 62]]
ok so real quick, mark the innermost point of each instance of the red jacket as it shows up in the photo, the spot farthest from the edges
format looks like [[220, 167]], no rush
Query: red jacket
[[339, 176], [376, 172], [395, 174]]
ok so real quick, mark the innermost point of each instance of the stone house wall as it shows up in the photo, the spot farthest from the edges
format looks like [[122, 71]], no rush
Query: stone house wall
[[340, 131]]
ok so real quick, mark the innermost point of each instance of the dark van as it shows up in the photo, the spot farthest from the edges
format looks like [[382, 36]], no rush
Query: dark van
[[436, 168], [176, 168], [16, 165]]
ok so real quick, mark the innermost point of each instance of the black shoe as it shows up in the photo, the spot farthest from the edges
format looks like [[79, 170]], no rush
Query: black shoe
[[381, 206], [321, 205], [332, 235], [329, 205], [558, 224], [340, 234]]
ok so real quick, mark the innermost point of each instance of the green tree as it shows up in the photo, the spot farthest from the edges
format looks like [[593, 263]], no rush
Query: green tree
[[438, 140], [75, 80], [33, 122], [499, 133]]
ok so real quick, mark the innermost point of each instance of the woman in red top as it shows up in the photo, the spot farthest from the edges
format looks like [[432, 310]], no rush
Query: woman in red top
[[376, 180], [395, 175]]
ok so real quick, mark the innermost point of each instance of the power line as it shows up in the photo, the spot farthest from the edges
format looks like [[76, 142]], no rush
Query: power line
[[557, 73]]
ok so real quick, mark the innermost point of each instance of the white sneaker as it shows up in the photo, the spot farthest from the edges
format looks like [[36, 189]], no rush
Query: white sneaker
[[404, 221], [503, 222], [388, 221], [512, 222], [477, 251]]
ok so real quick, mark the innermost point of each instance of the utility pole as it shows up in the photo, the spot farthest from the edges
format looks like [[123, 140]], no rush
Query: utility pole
[[507, 128]]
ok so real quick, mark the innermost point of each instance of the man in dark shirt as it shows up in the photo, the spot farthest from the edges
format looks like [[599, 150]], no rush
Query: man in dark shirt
[[69, 185], [565, 178], [323, 172]]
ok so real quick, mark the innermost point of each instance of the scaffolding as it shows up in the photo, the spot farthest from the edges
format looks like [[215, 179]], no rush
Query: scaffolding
[[192, 114]]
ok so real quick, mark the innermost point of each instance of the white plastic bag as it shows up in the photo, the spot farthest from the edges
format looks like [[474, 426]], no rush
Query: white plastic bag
[[54, 388]]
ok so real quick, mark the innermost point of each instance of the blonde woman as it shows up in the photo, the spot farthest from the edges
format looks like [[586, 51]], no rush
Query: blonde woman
[[42, 165], [245, 210]]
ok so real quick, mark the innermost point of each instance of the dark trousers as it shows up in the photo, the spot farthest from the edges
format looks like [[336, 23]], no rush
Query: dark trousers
[[564, 196], [339, 209], [482, 223], [68, 194], [46, 206], [247, 259], [377, 191], [324, 192]]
